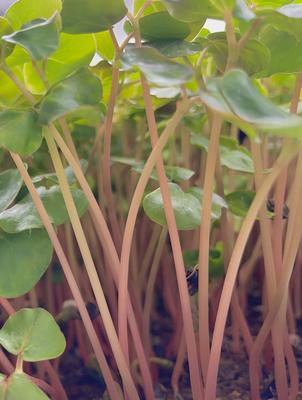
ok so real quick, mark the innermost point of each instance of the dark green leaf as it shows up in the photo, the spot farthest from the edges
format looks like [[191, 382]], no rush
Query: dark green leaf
[[40, 37], [24, 258], [18, 386], [24, 215], [95, 16], [20, 131], [80, 90], [34, 334], [10, 185], [161, 26], [157, 68], [175, 48], [240, 201]]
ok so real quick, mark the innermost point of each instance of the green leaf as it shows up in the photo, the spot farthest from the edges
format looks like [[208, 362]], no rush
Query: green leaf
[[234, 157], [18, 386], [192, 10], [161, 26], [157, 68], [20, 131], [217, 202], [5, 29], [23, 11], [175, 48], [186, 208], [80, 90], [24, 214], [95, 16], [240, 201], [104, 45], [24, 258], [285, 49], [10, 185], [254, 57], [40, 37], [34, 334], [237, 99]]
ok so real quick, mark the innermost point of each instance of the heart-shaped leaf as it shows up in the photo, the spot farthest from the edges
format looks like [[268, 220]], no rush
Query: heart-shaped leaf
[[39, 37], [34, 334], [20, 131], [82, 89], [24, 214], [161, 26], [95, 16], [186, 207], [157, 68], [10, 185], [23, 11], [24, 258], [18, 386]]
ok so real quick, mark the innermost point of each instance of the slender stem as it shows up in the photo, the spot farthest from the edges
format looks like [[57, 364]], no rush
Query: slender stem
[[91, 270], [231, 275], [111, 385], [204, 245]]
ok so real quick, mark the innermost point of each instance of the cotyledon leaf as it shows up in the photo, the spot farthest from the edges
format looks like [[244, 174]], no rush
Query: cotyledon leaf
[[10, 185]]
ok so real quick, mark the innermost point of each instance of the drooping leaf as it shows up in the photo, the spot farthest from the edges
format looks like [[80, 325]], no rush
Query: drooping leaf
[[18, 386], [34, 334], [192, 10], [82, 89], [161, 26], [237, 99], [95, 16], [240, 201], [186, 207], [24, 215], [39, 37], [175, 48], [157, 68], [20, 131], [23, 11], [24, 258], [10, 185]]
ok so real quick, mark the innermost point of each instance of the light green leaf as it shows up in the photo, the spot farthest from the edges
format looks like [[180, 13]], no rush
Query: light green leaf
[[192, 10], [5, 29], [24, 258], [10, 185], [186, 207], [18, 387], [82, 89], [217, 202], [40, 37], [291, 11], [161, 26], [95, 16], [104, 45], [20, 131], [237, 99], [157, 68], [24, 214], [23, 11], [34, 334]]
